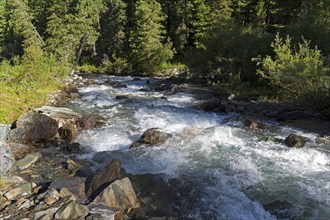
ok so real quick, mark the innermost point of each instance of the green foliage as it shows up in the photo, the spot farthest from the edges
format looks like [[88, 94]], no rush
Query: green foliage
[[149, 45], [298, 72], [116, 65], [228, 51], [112, 29], [68, 23], [28, 83]]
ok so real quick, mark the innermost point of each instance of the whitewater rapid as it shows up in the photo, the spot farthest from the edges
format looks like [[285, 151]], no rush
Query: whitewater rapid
[[224, 170]]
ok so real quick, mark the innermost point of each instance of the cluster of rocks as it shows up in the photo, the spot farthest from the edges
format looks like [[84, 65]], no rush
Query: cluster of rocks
[[110, 195], [37, 181]]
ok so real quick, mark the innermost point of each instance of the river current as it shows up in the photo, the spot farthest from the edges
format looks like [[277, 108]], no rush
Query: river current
[[213, 166]]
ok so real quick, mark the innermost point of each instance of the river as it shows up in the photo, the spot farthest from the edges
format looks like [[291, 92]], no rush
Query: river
[[212, 167]]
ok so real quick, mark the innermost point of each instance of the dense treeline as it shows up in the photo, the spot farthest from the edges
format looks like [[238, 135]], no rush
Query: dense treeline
[[278, 44]]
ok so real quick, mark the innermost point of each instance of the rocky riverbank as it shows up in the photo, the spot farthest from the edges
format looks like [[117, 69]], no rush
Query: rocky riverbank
[[43, 176]]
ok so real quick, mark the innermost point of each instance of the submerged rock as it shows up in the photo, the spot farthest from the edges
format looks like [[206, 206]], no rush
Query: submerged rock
[[73, 148], [152, 136], [119, 194], [294, 140], [253, 124], [105, 177], [6, 158]]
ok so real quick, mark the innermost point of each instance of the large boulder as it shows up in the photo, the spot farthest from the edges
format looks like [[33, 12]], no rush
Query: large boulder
[[294, 140], [152, 136], [6, 158], [105, 177], [119, 194], [38, 127]]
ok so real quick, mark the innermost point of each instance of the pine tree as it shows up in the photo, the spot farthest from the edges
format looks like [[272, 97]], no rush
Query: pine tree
[[150, 47], [18, 31], [67, 25], [112, 29]]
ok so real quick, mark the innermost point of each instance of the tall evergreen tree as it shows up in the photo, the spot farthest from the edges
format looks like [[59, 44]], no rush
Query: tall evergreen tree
[[18, 31], [150, 47], [112, 29], [68, 23]]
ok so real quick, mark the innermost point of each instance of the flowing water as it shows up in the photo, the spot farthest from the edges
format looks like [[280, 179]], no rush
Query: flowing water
[[212, 167]]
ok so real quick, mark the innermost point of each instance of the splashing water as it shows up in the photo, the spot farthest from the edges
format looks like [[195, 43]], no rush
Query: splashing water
[[223, 170]]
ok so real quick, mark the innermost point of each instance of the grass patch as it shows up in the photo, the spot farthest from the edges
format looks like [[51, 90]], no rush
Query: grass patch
[[27, 83]]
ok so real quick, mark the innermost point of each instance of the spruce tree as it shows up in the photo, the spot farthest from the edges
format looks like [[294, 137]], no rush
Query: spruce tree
[[112, 29], [150, 47], [67, 25]]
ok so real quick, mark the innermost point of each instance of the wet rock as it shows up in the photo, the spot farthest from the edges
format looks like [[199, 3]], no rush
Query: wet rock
[[6, 158], [87, 122], [120, 97], [68, 132], [152, 136], [253, 124], [213, 105], [38, 127], [323, 140], [294, 140], [119, 194], [72, 210], [28, 161], [4, 130], [52, 197], [230, 108], [137, 79], [75, 96], [76, 185], [102, 179], [89, 82], [22, 190], [116, 84]]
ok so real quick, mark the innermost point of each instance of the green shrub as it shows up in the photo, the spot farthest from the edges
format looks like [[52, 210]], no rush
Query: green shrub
[[298, 73], [227, 54]]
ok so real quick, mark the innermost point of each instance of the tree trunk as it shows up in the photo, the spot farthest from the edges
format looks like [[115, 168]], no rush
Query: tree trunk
[[83, 43]]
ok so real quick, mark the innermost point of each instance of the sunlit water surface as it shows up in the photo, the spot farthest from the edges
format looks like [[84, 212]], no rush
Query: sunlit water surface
[[229, 173]]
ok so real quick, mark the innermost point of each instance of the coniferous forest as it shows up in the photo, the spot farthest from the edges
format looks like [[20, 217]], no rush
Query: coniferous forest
[[274, 49]]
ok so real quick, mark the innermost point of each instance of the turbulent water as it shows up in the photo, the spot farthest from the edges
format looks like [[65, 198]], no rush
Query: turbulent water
[[212, 167]]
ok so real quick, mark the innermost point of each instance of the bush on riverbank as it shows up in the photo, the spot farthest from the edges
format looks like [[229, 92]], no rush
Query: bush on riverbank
[[26, 82], [297, 73]]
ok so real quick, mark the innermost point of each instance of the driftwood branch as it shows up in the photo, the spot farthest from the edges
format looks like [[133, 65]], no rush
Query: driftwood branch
[[83, 43]]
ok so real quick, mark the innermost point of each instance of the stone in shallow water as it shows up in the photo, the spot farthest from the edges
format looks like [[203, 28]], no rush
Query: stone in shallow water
[[28, 161], [294, 140]]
